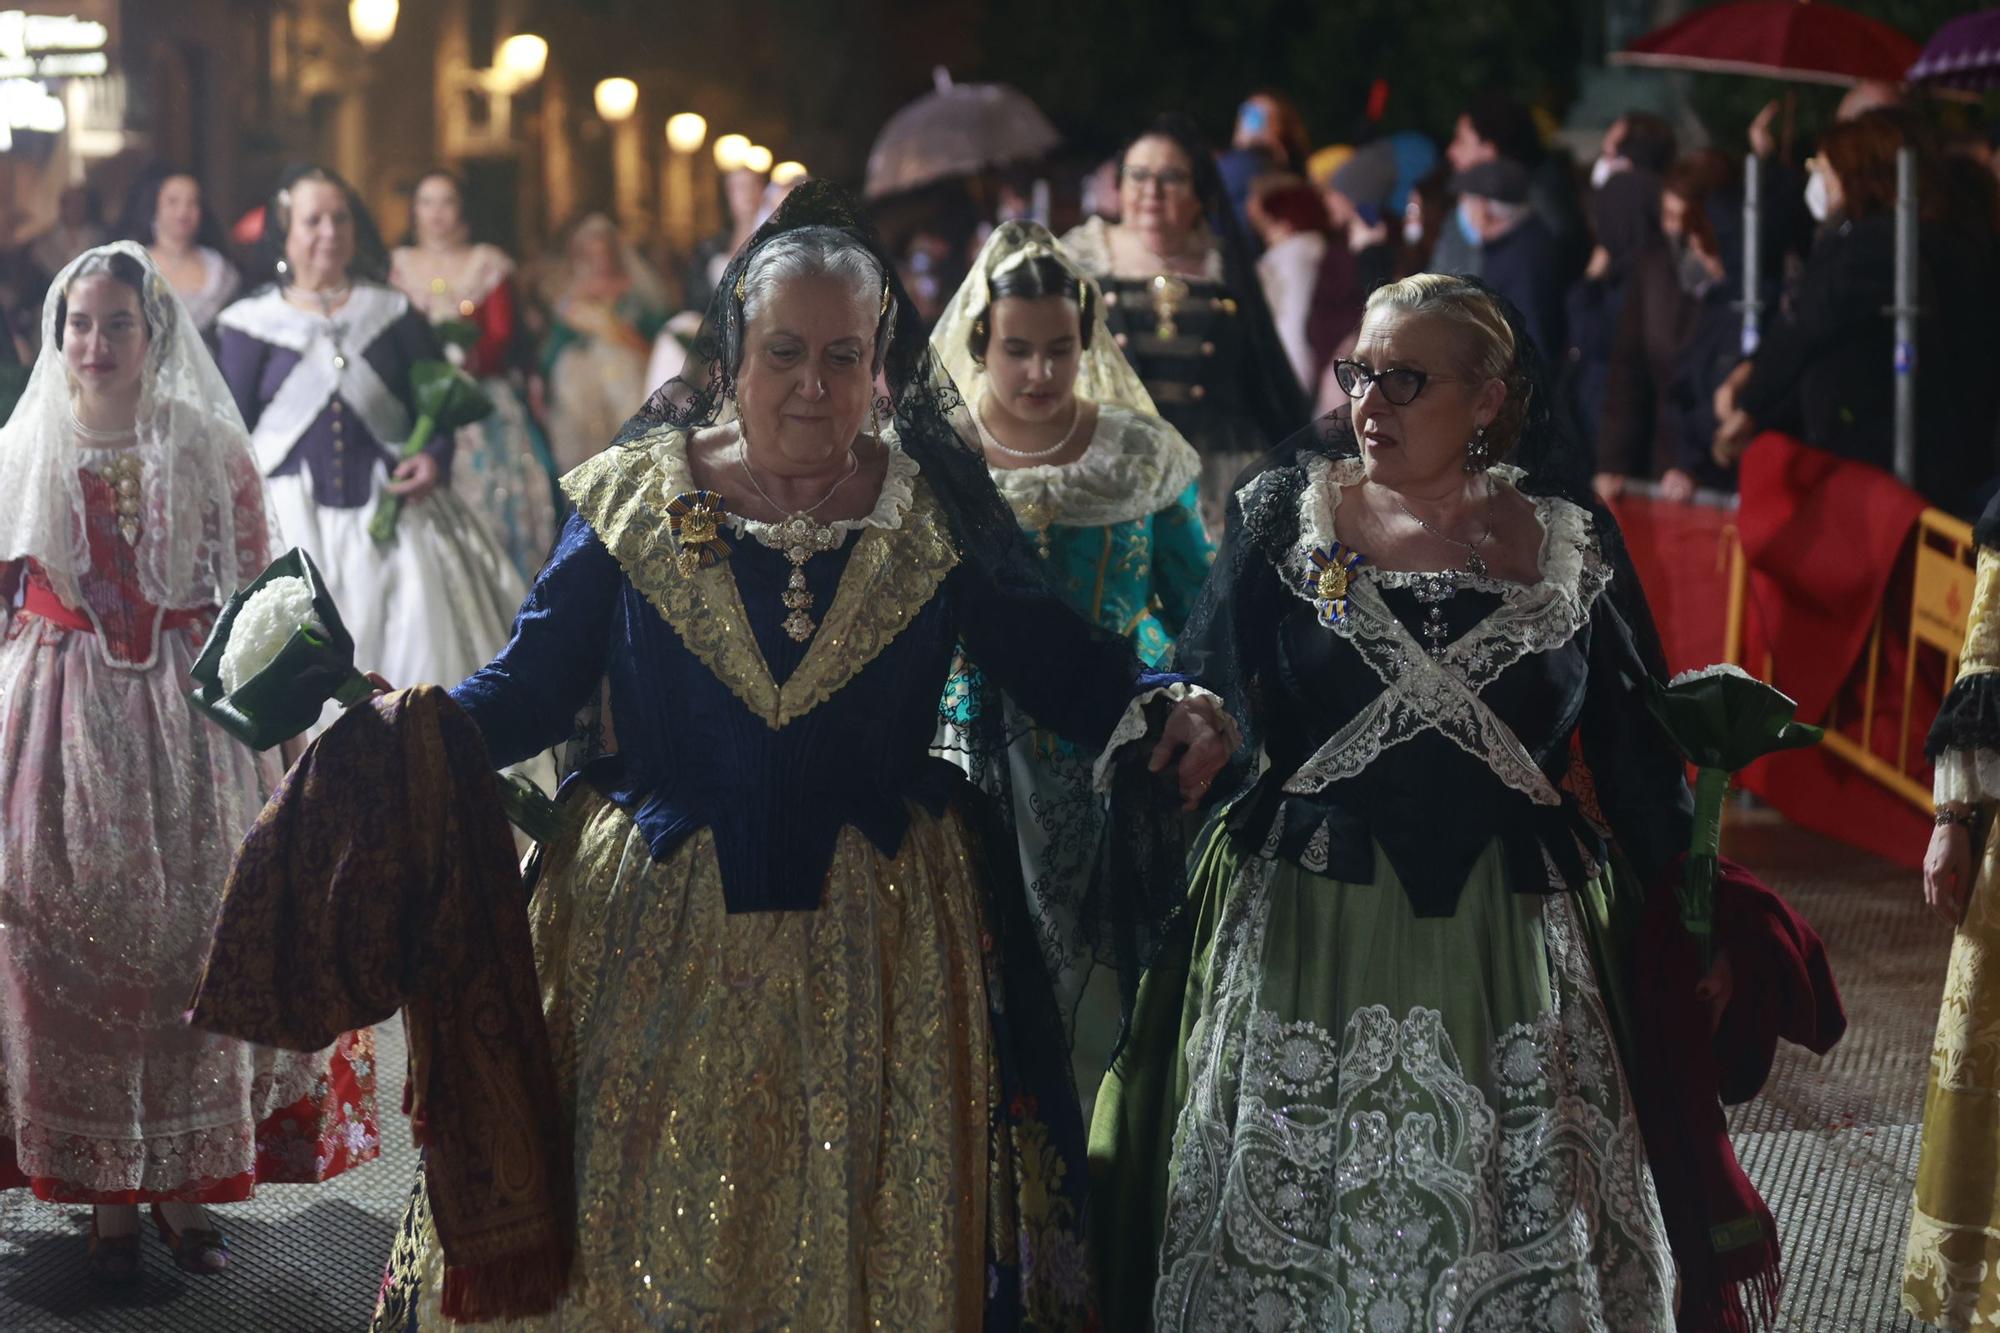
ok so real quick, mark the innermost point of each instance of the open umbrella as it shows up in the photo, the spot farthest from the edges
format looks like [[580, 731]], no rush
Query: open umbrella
[[1964, 53], [960, 129], [1779, 39]]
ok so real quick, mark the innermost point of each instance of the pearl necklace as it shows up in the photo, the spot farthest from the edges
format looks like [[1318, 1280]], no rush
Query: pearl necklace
[[99, 436], [800, 539], [992, 441]]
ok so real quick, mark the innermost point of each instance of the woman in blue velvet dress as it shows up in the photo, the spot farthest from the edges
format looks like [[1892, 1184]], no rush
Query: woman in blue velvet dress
[[1106, 491], [801, 1028]]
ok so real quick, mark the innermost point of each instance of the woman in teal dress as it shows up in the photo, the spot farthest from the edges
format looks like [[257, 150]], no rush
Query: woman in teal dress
[[1105, 490]]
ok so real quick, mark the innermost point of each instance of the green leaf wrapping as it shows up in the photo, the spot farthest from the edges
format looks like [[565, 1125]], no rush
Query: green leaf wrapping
[[446, 398]]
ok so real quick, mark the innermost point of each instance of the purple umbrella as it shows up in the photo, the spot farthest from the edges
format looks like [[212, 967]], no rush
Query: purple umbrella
[[1964, 53]]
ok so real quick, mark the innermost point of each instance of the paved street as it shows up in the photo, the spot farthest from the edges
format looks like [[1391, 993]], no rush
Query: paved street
[[1832, 1143]]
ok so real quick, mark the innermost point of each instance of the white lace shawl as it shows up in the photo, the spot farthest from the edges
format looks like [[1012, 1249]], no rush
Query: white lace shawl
[[1422, 694]]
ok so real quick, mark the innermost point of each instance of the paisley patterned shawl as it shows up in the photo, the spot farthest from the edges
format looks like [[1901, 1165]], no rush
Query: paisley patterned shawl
[[344, 905]]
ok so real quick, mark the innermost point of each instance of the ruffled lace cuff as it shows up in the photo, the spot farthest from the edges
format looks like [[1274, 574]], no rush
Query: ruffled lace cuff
[[1966, 777], [1969, 718], [1133, 725]]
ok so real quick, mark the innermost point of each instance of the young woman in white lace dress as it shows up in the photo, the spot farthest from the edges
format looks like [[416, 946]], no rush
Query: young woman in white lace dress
[[133, 509]]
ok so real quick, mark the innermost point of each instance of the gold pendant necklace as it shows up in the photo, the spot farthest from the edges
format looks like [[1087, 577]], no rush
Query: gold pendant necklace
[[800, 538]]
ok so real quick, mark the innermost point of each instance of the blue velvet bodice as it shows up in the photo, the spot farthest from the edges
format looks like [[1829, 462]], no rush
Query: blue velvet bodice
[[705, 741]]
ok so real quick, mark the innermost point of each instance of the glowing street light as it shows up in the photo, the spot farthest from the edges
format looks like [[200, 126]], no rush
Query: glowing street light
[[686, 132], [373, 21], [788, 173], [730, 150], [521, 59], [758, 159], [617, 99]]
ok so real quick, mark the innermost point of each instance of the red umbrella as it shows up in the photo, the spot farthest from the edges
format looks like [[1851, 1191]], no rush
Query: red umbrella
[[1780, 39]]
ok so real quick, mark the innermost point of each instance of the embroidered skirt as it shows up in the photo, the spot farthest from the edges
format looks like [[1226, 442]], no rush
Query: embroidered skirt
[[1951, 1274], [1334, 1114], [787, 1119]]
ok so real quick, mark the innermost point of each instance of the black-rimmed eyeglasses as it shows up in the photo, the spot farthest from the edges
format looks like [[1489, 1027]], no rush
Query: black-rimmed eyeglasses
[[1400, 384]]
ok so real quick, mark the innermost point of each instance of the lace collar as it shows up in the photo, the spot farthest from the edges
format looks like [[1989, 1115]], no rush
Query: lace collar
[[1133, 467], [1567, 556], [1089, 242], [266, 315], [668, 446]]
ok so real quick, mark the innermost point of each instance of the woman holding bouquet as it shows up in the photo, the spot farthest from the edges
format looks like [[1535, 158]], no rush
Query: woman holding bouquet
[[320, 361], [133, 509], [800, 1025], [1386, 1079], [502, 469]]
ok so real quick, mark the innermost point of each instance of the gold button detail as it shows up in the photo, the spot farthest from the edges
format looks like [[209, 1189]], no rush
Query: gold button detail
[[1198, 392], [466, 308]]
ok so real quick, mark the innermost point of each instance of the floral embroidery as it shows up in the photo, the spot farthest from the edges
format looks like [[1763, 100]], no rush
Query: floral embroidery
[[1372, 1179]]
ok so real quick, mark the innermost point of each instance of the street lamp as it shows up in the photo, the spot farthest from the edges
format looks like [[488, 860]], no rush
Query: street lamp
[[686, 132], [730, 150], [521, 60], [757, 159], [617, 99], [788, 173], [373, 21]]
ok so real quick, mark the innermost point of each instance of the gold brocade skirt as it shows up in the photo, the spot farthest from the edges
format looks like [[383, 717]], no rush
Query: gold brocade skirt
[[1951, 1273], [780, 1118]]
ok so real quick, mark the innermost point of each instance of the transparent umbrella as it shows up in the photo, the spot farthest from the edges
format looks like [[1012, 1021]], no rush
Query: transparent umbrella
[[959, 129]]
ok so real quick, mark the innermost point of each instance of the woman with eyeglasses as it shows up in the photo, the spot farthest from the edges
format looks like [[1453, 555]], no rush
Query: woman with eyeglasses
[[1183, 302], [1386, 1075]]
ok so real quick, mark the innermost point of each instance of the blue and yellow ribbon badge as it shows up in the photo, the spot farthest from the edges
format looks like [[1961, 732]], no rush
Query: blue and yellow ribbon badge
[[1334, 571], [694, 518]]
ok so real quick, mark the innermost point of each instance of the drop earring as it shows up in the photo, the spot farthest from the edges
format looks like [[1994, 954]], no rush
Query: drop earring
[[1478, 454]]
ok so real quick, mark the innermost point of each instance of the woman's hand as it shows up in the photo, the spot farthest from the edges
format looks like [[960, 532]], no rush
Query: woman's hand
[[1724, 401], [1599, 265], [1948, 872], [1762, 142], [1715, 989], [1677, 486], [1732, 437], [415, 477], [1199, 737]]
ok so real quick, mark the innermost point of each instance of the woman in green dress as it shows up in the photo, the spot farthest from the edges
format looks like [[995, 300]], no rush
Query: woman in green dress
[[1106, 491], [1378, 1083]]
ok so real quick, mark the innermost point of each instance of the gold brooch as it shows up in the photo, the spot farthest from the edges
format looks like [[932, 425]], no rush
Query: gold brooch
[[695, 520], [1335, 566]]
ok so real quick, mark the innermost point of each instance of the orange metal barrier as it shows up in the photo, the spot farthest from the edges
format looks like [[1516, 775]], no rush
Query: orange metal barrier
[[1940, 602]]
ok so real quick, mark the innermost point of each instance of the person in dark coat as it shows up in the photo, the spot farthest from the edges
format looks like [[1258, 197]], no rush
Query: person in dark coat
[[1677, 317], [1823, 371], [1519, 257], [1625, 213]]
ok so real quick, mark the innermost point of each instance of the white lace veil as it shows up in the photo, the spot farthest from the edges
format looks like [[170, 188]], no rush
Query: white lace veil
[[202, 526], [1105, 375]]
